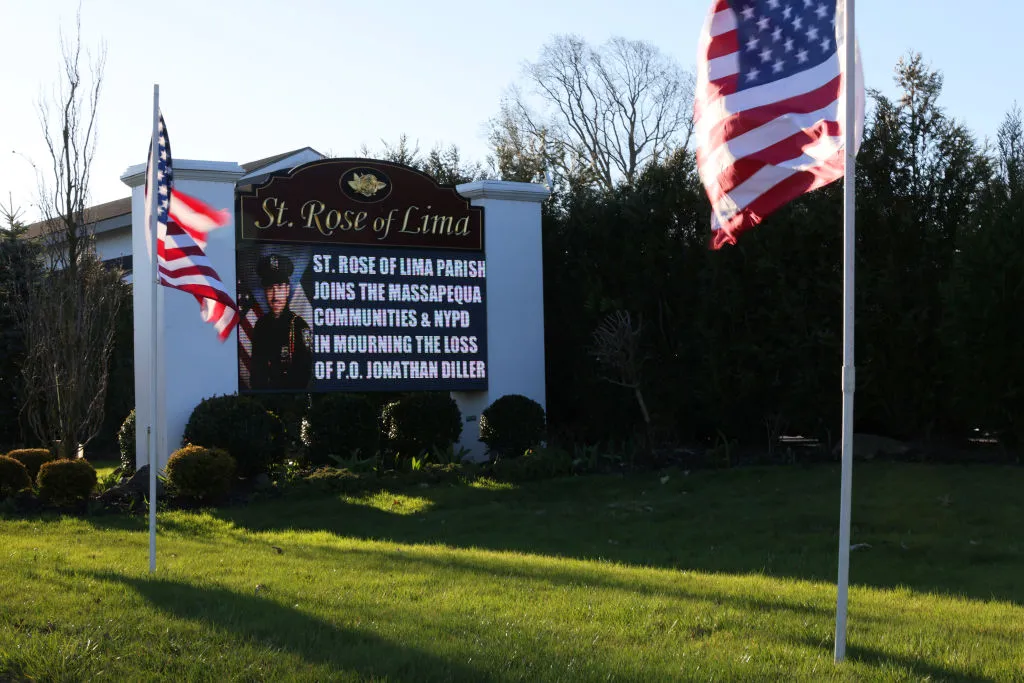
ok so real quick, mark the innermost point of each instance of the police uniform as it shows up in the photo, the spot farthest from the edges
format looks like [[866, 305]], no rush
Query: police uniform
[[282, 356]]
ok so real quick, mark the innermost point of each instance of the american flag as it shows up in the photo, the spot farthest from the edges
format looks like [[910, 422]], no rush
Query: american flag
[[245, 328], [770, 108], [182, 225]]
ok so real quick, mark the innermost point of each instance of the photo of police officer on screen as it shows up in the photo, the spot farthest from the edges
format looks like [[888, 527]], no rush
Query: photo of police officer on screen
[[282, 356]]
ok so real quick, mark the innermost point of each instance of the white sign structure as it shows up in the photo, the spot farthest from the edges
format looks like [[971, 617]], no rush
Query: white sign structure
[[192, 364]]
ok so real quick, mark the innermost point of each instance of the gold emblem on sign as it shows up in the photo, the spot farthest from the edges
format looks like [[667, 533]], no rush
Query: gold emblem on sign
[[367, 184]]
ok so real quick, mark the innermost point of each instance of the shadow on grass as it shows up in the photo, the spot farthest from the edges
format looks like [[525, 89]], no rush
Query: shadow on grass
[[879, 659], [722, 522], [917, 667], [596, 578], [268, 624], [780, 522]]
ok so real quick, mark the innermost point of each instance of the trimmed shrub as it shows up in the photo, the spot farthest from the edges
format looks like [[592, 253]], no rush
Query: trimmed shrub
[[32, 459], [339, 424], [252, 435], [201, 473], [512, 425], [419, 423], [291, 408], [126, 444], [13, 477], [66, 482], [335, 480]]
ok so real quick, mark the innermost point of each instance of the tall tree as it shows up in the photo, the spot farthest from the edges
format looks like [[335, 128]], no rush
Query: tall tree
[[19, 258], [68, 119], [517, 154], [987, 295], [921, 178], [444, 164], [603, 113], [68, 313]]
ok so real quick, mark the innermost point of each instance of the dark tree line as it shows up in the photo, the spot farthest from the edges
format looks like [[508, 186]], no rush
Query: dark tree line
[[746, 342], [15, 252]]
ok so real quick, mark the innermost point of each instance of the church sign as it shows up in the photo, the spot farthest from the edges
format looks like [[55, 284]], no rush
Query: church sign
[[359, 275]]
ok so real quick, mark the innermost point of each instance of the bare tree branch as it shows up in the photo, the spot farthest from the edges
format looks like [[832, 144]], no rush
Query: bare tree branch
[[617, 347], [606, 113], [68, 121]]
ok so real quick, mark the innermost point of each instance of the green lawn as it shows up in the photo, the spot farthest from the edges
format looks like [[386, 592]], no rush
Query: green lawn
[[724, 575]]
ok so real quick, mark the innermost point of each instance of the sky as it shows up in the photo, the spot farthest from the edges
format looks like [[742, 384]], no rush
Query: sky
[[240, 81]]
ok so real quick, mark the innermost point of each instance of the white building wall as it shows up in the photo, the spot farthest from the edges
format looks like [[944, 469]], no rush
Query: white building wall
[[191, 362], [515, 300], [114, 243]]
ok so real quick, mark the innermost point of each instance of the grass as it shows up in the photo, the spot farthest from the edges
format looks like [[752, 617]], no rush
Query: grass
[[104, 468], [712, 576]]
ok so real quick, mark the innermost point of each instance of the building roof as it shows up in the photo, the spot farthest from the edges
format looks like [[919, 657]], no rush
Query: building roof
[[260, 163], [123, 206], [93, 214]]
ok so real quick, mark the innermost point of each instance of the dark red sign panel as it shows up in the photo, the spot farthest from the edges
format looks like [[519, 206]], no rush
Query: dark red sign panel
[[359, 275], [358, 201]]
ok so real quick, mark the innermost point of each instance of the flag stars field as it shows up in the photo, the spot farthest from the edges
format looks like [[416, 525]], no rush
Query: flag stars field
[[769, 88]]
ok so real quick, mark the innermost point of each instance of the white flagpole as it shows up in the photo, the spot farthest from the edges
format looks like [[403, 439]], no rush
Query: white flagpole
[[849, 375], [152, 432]]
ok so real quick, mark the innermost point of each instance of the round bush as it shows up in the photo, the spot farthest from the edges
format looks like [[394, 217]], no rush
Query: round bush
[[339, 424], [291, 408], [66, 482], [13, 477], [421, 422], [32, 459], [126, 444], [252, 435], [511, 425], [201, 473]]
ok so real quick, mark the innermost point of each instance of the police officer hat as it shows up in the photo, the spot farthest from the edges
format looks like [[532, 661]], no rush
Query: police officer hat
[[274, 268]]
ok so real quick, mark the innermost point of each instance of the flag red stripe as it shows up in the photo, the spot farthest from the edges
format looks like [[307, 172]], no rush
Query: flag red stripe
[[204, 291], [724, 44], [218, 216], [186, 271], [245, 329], [722, 87], [247, 326], [217, 310], [792, 147], [786, 191], [743, 122], [224, 322], [175, 253]]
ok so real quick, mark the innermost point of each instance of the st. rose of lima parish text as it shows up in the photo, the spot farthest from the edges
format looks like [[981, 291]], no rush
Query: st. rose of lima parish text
[[393, 265]]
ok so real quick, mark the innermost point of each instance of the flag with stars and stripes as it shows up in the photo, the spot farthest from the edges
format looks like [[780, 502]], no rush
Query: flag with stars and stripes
[[770, 107], [182, 224]]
